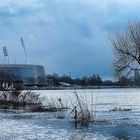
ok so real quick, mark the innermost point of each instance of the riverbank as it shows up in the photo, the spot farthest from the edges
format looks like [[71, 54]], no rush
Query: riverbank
[[76, 87]]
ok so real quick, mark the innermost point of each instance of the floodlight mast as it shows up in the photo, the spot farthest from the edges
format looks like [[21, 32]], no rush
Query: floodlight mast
[[23, 45], [6, 56]]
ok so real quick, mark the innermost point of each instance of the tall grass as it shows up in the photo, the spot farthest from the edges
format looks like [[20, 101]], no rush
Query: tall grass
[[28, 101], [19, 98], [81, 109]]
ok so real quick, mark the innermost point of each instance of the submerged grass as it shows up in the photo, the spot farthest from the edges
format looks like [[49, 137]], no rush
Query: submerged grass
[[81, 111], [28, 101]]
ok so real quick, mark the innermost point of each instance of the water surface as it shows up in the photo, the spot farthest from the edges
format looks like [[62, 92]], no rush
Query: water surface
[[15, 125]]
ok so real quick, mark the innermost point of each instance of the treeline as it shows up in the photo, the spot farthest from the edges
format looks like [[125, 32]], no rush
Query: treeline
[[95, 80]]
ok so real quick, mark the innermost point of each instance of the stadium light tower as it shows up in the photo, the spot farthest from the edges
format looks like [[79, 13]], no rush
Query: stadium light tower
[[6, 56], [23, 45]]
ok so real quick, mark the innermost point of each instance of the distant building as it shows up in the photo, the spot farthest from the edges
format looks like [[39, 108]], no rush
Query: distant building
[[23, 74]]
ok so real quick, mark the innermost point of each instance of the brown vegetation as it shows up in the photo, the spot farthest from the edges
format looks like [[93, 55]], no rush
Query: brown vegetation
[[28, 101], [82, 113]]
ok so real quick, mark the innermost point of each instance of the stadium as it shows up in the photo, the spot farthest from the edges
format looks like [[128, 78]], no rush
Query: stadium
[[24, 74]]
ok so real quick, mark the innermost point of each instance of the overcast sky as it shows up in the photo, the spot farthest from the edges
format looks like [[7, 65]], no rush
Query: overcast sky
[[66, 36]]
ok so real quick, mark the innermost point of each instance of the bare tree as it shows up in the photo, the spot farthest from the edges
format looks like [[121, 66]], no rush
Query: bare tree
[[126, 48]]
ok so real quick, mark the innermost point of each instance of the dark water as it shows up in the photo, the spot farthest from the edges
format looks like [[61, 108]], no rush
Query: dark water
[[117, 125]]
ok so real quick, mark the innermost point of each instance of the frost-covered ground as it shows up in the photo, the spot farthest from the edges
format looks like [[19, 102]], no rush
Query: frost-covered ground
[[16, 125]]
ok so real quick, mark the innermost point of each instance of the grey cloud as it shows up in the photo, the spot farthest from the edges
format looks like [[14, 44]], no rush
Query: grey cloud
[[64, 35]]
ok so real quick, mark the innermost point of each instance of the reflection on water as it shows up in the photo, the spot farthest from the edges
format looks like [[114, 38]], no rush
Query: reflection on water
[[121, 133], [15, 125]]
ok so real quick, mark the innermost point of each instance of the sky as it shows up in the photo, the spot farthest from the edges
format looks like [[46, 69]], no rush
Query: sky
[[66, 36]]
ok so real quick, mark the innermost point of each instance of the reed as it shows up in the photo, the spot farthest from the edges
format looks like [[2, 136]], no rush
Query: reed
[[82, 113], [28, 101]]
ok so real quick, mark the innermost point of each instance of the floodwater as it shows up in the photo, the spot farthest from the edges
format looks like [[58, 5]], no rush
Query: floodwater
[[112, 125]]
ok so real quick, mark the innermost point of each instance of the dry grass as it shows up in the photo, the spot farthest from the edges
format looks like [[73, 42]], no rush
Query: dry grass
[[82, 113], [28, 101]]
